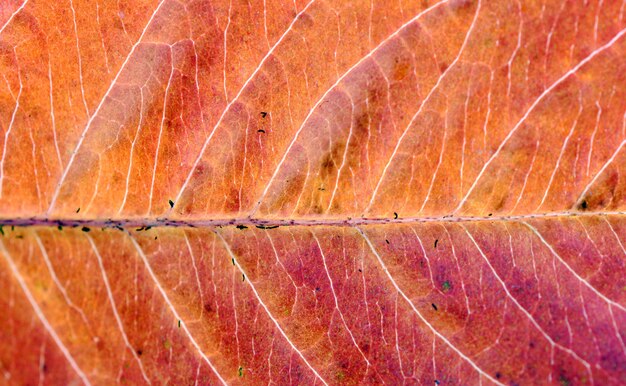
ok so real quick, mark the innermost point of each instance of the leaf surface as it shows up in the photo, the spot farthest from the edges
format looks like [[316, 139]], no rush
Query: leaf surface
[[313, 192]]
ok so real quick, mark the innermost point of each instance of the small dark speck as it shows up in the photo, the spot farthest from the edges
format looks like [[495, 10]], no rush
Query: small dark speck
[[178, 323], [139, 352], [317, 289], [241, 226], [263, 114], [155, 237], [434, 306], [85, 229], [19, 236], [321, 189], [498, 375], [171, 203], [395, 215], [60, 228], [436, 241], [233, 260], [387, 241], [261, 131], [437, 382], [490, 214], [243, 277], [77, 210], [360, 270], [583, 205]]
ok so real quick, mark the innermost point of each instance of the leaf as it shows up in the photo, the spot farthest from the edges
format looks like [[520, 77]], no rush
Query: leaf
[[313, 192]]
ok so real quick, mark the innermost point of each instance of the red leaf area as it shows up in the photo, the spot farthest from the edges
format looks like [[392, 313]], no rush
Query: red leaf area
[[312, 192]]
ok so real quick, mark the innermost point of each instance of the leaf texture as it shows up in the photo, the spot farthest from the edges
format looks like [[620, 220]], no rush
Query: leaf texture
[[313, 192]]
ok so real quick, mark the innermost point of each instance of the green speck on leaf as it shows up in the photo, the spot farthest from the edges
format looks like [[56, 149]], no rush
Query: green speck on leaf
[[178, 323], [60, 227], [340, 375], [445, 286], [167, 344], [1, 230], [240, 371]]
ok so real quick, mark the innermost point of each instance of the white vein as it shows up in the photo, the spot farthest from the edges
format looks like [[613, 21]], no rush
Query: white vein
[[524, 310], [173, 310], [332, 289], [92, 117], [18, 10], [8, 132], [421, 107], [532, 108], [330, 89], [569, 268], [599, 173], [118, 319], [267, 311], [563, 147], [56, 280], [41, 316], [422, 318], [235, 99]]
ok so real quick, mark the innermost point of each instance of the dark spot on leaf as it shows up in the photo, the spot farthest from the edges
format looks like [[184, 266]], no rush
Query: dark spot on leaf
[[387, 241], [434, 306], [261, 131], [243, 277], [19, 236], [395, 215], [207, 307], [240, 371], [563, 380], [437, 382], [171, 203], [498, 375], [436, 242], [85, 229], [1, 230], [583, 205], [233, 260], [317, 289], [490, 214], [77, 210], [139, 352], [263, 114], [178, 323], [267, 226], [241, 226], [44, 367], [360, 270], [60, 227]]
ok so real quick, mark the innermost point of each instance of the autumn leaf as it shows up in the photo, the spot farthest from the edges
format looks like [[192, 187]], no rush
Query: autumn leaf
[[312, 192]]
